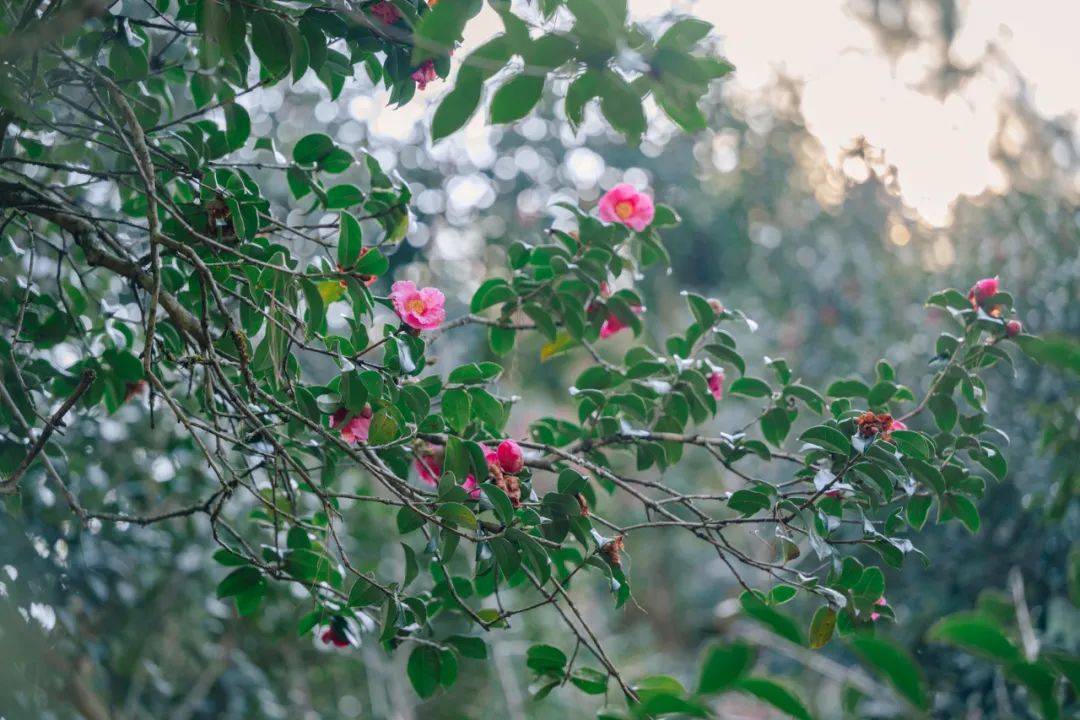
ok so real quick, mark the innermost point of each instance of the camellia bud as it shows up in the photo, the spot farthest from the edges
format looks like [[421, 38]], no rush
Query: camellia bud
[[983, 291], [716, 384], [510, 457], [1013, 328], [716, 305]]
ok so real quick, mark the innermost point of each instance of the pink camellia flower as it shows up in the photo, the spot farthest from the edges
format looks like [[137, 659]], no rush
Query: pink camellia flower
[[982, 291], [425, 74], [624, 204], [385, 12], [716, 384], [613, 324], [874, 616], [355, 429], [423, 309], [510, 457], [1013, 328], [429, 469]]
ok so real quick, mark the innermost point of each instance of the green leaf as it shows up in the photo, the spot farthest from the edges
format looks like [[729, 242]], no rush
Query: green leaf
[[491, 292], [473, 648], [424, 670], [584, 88], [848, 388], [312, 148], [944, 409], [350, 240], [456, 407], [684, 34], [238, 581], [723, 665], [750, 387], [965, 511], [748, 502], [779, 623], [237, 125], [775, 425], [590, 680], [827, 438], [917, 509], [310, 566], [372, 262], [270, 41], [822, 626], [622, 107], [894, 664], [343, 196], [501, 340], [364, 593], [384, 427], [781, 594], [504, 510], [977, 634], [439, 30], [808, 395], [457, 107], [516, 98], [229, 558], [409, 520], [776, 695], [545, 659], [458, 514]]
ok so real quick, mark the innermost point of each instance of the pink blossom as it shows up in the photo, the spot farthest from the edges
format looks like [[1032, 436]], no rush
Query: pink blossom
[[385, 12], [472, 487], [897, 425], [717, 306], [423, 309], [982, 291], [624, 204], [875, 616], [429, 468], [510, 457], [425, 74], [613, 324], [716, 384], [1013, 328], [354, 429]]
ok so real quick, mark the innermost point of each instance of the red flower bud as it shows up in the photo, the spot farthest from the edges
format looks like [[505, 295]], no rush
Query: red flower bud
[[982, 291], [334, 636], [1013, 328], [510, 457]]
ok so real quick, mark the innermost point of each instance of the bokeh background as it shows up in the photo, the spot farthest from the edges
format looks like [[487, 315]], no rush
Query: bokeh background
[[865, 153]]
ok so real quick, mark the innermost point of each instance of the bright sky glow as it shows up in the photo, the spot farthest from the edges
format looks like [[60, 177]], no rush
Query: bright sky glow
[[850, 88]]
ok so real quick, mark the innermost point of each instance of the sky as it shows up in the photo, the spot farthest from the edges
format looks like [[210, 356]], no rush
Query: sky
[[940, 146]]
